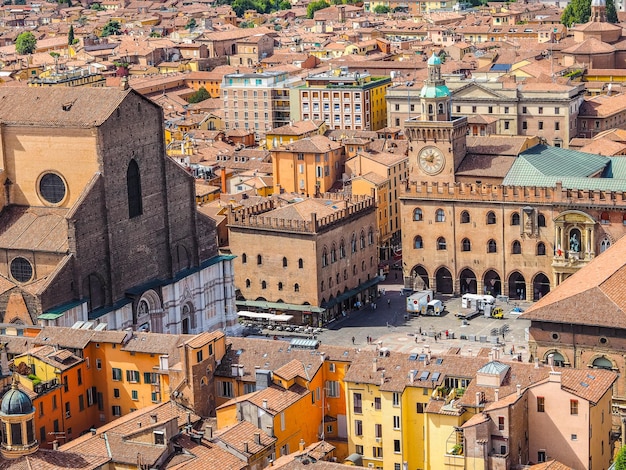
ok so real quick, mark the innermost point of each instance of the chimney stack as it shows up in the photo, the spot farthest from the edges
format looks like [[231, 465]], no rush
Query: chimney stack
[[536, 363], [265, 404], [322, 357], [554, 377], [301, 445], [519, 390], [375, 365], [496, 394], [153, 418], [551, 360], [245, 447], [209, 432], [478, 398], [257, 438], [55, 445]]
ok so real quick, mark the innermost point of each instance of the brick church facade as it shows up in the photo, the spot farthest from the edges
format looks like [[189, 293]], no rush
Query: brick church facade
[[97, 224]]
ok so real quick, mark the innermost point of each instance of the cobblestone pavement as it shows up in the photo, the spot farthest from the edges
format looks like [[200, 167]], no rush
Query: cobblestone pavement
[[388, 326]]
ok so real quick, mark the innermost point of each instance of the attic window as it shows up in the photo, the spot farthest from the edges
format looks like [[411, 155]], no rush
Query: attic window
[[159, 438]]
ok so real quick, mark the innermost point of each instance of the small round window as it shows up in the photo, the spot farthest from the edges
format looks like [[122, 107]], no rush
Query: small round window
[[21, 270], [52, 188]]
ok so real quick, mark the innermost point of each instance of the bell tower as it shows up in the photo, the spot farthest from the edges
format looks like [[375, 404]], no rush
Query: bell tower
[[437, 141]]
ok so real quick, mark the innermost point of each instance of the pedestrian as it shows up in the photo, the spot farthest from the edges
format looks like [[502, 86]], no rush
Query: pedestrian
[[435, 338], [396, 275], [353, 340], [416, 339], [389, 303], [420, 330], [446, 334]]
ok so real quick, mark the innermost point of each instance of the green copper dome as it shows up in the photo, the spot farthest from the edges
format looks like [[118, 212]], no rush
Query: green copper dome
[[434, 60], [16, 402], [434, 91]]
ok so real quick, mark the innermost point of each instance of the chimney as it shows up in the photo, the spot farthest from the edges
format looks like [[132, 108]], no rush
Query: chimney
[[124, 83], [555, 377], [496, 394], [209, 432], [551, 360], [536, 363], [375, 365], [240, 371], [519, 390], [245, 447], [257, 438], [496, 354], [478, 398], [469, 352], [322, 357], [55, 445], [412, 376], [153, 418], [490, 356], [301, 445], [265, 404]]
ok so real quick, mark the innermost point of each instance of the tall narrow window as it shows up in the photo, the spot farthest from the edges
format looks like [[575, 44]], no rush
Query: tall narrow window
[[133, 186]]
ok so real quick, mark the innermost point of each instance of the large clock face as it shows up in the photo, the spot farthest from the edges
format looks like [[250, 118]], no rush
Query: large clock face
[[431, 160]]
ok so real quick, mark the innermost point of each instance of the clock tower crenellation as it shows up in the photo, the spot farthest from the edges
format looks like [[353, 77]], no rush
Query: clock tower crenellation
[[437, 141]]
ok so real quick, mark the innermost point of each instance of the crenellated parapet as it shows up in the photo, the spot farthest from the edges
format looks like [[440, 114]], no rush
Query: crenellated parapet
[[513, 194], [259, 217]]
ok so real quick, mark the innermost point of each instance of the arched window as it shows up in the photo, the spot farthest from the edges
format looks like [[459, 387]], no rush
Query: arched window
[[353, 243], [370, 237], [263, 285], [440, 215], [363, 266], [324, 258], [337, 278], [296, 287], [418, 244], [418, 215], [133, 187], [441, 243], [354, 269], [244, 258], [604, 244], [624, 219], [541, 220], [491, 218], [541, 249], [602, 363], [259, 259], [322, 285], [342, 250], [284, 262], [362, 240], [515, 218], [492, 247], [440, 107], [333, 253], [280, 286], [430, 109], [517, 247], [604, 218], [300, 263], [466, 245], [247, 283], [345, 274], [330, 282], [465, 217]]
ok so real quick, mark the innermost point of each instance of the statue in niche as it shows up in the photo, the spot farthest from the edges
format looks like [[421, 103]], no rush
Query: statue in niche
[[574, 243]]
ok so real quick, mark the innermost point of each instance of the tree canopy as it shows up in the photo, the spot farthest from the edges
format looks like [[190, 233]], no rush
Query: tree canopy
[[112, 28], [577, 11], [191, 24], [200, 95], [380, 9], [25, 43], [70, 35], [620, 459], [315, 6]]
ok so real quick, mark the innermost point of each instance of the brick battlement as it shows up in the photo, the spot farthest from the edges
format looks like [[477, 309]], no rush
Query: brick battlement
[[252, 217], [513, 194]]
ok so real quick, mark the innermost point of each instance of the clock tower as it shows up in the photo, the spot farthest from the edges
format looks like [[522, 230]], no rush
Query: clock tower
[[437, 141]]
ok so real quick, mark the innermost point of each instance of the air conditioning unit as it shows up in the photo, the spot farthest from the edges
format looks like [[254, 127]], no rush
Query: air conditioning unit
[[370, 465]]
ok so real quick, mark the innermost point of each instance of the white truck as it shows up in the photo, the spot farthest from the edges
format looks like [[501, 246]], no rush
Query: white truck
[[480, 304], [417, 303]]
